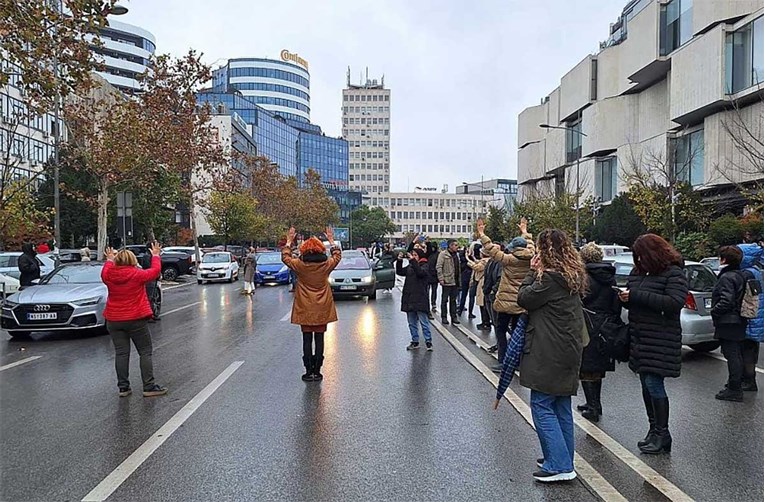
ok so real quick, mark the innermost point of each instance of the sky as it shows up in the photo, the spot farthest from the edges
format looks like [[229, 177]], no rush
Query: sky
[[459, 72]]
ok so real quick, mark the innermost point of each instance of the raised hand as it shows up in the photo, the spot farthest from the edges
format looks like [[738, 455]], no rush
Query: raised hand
[[536, 262], [523, 225], [480, 226], [110, 254], [330, 233], [291, 234], [155, 248]]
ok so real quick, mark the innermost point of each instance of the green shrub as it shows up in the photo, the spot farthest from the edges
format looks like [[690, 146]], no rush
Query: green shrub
[[695, 245], [726, 230]]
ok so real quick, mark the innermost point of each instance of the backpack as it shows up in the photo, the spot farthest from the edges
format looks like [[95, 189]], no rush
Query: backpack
[[750, 302]]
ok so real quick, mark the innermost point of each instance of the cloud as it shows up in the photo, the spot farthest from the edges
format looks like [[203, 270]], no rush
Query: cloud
[[459, 72]]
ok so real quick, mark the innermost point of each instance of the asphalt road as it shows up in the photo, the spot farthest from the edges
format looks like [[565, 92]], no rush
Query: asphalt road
[[385, 424]]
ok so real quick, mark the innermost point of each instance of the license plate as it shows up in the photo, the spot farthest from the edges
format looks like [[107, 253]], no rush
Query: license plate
[[707, 303], [269, 277], [214, 275], [52, 316], [348, 288]]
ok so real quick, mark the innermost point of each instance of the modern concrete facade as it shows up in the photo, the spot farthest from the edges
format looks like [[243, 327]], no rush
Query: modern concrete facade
[[501, 192], [366, 127], [125, 52], [677, 86]]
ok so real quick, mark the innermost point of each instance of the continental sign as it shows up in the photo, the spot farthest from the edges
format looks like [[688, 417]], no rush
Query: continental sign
[[288, 56]]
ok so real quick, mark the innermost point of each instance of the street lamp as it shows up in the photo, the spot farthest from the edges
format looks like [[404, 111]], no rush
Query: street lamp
[[548, 126], [116, 10]]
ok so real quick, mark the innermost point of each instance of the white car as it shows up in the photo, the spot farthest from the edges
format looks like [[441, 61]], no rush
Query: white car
[[613, 250], [218, 266], [9, 264], [8, 285]]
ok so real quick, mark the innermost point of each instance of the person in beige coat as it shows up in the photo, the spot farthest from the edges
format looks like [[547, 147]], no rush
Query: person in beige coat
[[516, 263], [313, 306], [479, 269]]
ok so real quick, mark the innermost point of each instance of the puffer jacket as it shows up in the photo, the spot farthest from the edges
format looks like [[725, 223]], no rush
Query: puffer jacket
[[479, 270], [515, 265], [753, 254], [602, 300], [656, 338], [431, 252], [726, 304], [127, 300]]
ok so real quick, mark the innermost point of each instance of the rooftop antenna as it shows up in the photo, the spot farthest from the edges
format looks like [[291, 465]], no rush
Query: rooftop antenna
[[382, 81], [348, 77], [367, 81]]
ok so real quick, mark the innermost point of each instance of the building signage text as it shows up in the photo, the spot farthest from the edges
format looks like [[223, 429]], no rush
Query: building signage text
[[288, 56]]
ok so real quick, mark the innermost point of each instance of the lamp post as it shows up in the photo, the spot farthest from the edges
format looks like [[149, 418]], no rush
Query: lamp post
[[578, 158], [116, 10]]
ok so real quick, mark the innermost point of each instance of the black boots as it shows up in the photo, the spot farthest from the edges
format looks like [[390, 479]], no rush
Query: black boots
[[660, 441], [651, 420], [317, 362], [592, 410], [312, 368], [307, 362]]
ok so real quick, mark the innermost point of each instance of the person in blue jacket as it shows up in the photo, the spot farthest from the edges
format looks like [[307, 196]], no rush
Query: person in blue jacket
[[750, 349]]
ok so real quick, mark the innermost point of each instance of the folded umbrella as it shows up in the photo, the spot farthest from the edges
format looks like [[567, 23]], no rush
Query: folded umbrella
[[513, 355]]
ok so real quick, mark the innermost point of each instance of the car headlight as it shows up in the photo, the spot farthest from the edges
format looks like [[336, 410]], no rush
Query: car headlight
[[283, 269], [9, 304], [367, 279], [87, 301]]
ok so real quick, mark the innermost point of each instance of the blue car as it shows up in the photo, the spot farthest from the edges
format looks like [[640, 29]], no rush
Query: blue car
[[270, 269]]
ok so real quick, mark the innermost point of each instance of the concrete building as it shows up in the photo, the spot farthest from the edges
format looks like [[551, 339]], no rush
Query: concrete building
[[366, 127], [438, 214], [676, 88], [282, 87], [500, 192], [125, 52]]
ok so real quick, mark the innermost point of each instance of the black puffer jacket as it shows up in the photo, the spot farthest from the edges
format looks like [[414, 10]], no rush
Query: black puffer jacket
[[29, 269], [414, 295], [602, 300], [432, 255], [726, 305], [654, 314]]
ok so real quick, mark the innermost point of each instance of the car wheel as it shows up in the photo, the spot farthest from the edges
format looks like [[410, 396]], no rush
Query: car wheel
[[199, 281], [704, 346], [170, 274]]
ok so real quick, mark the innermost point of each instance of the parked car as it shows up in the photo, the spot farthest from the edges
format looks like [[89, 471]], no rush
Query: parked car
[[713, 263], [71, 297], [73, 255], [356, 275], [189, 250], [9, 264], [173, 264], [218, 266], [8, 285], [613, 250], [270, 269], [696, 317]]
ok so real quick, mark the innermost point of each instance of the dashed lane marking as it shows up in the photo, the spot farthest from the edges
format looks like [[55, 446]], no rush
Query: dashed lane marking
[[118, 476], [592, 478], [179, 309], [647, 473], [19, 362], [178, 286]]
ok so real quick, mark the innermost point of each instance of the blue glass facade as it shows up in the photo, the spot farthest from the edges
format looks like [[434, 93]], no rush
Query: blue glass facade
[[347, 201], [328, 156]]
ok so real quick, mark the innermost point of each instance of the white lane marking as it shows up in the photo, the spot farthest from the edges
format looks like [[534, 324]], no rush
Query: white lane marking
[[19, 363], [647, 473], [105, 488], [177, 286], [585, 471], [286, 317], [163, 314], [722, 358]]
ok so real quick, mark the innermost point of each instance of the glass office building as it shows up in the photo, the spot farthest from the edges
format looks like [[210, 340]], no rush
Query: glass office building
[[125, 52], [281, 87]]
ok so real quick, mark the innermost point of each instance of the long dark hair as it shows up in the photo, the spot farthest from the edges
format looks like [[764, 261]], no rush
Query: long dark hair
[[653, 255], [557, 253]]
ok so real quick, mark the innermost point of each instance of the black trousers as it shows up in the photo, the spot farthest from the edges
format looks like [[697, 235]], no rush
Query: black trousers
[[464, 292], [449, 295], [732, 350], [750, 353], [311, 340], [505, 323], [433, 294], [122, 333]]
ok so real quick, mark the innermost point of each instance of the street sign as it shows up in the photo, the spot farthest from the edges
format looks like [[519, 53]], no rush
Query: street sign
[[341, 234]]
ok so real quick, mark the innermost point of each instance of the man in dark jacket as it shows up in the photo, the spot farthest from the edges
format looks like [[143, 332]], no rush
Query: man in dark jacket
[[29, 268], [730, 327], [414, 296], [432, 256]]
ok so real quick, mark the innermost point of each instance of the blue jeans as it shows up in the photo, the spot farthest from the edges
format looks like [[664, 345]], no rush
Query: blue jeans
[[420, 318], [654, 384], [555, 429]]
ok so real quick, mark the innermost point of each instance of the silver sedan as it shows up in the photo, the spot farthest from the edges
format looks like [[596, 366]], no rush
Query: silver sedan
[[72, 297]]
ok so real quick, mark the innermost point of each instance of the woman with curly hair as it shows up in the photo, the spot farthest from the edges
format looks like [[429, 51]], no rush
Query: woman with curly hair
[[655, 295], [313, 306], [552, 355]]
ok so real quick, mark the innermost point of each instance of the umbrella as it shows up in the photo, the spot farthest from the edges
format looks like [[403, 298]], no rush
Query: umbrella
[[513, 355]]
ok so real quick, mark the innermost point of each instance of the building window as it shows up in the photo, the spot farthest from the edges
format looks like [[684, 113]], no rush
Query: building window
[[573, 140], [744, 57], [676, 25], [606, 174], [688, 151]]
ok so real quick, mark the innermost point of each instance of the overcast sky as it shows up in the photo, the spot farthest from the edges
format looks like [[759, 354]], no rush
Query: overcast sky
[[459, 72]]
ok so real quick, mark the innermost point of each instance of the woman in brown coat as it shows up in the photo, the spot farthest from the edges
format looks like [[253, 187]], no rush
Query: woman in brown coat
[[313, 307]]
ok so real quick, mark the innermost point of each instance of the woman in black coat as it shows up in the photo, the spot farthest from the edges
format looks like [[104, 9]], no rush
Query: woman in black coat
[[414, 296], [431, 254], [603, 306], [655, 295], [730, 327]]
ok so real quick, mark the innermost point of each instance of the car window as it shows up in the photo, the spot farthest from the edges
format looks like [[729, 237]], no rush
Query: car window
[[354, 263], [216, 258], [269, 258], [5, 261], [700, 278], [74, 274]]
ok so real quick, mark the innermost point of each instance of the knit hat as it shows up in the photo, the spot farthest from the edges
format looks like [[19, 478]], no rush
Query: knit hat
[[420, 253], [518, 242]]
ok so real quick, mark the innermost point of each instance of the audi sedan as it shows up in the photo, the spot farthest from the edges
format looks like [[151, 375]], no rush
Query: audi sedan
[[72, 297]]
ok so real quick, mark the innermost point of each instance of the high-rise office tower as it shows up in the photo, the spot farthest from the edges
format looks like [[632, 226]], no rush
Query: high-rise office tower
[[366, 127]]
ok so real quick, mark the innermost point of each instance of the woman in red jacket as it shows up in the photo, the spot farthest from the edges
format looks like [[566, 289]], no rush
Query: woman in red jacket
[[127, 313]]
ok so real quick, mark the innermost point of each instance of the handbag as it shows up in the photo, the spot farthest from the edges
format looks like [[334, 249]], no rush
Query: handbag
[[613, 335]]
